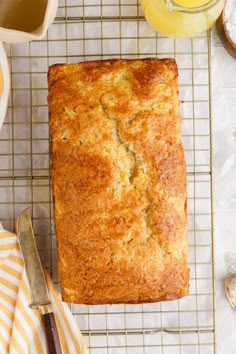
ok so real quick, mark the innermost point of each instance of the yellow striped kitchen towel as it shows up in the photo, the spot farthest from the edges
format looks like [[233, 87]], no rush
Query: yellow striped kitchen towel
[[21, 328]]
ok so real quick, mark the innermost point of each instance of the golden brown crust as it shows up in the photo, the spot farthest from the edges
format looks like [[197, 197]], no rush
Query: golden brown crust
[[119, 181]]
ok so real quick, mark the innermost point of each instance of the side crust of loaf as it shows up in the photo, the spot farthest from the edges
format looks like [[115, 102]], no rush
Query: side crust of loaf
[[119, 181]]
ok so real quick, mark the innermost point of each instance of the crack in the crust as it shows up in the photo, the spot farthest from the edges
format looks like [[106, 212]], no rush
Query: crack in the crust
[[120, 140], [150, 200], [137, 159]]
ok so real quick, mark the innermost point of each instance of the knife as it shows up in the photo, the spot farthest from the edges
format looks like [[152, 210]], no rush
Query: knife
[[37, 281]]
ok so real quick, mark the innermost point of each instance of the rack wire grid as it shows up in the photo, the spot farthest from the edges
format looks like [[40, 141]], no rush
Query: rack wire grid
[[101, 29]]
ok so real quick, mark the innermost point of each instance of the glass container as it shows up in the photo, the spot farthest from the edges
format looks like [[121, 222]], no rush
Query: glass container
[[182, 18]]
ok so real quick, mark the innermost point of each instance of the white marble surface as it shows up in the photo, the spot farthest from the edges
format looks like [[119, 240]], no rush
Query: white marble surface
[[224, 152], [224, 127]]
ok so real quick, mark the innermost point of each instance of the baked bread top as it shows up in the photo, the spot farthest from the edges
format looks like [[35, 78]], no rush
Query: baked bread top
[[119, 181]]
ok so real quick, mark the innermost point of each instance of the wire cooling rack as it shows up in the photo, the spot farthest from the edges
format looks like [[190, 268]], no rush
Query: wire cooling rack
[[96, 29]]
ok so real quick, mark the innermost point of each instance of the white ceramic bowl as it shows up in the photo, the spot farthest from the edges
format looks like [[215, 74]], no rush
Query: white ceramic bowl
[[224, 35], [15, 36], [6, 84]]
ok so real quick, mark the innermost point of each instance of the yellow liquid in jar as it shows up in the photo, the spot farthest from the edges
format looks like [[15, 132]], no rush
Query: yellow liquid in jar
[[191, 3], [180, 24]]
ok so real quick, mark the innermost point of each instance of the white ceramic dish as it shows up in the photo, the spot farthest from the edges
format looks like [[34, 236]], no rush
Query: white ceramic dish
[[224, 35], [15, 36], [6, 83]]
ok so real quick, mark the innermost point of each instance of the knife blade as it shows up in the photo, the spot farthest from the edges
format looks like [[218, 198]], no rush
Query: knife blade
[[37, 281]]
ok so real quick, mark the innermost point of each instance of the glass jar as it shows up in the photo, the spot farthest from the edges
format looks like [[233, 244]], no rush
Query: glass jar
[[182, 18]]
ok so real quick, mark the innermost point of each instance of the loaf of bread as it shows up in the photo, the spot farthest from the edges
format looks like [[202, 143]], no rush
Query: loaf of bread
[[119, 181]]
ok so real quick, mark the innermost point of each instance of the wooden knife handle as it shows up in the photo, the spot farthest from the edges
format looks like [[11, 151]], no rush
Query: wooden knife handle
[[53, 342]]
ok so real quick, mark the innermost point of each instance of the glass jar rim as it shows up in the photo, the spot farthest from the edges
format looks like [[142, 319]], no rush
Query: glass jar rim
[[173, 6]]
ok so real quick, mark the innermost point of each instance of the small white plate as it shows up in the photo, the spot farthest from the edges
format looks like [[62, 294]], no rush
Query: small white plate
[[6, 83]]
